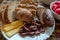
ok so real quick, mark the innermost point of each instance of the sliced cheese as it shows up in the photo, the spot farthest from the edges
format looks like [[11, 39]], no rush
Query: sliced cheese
[[12, 32], [13, 25]]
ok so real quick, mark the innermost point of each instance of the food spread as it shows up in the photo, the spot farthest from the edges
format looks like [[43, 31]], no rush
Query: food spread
[[25, 18]]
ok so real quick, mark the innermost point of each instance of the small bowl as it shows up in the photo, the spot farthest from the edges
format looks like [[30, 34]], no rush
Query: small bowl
[[57, 16]]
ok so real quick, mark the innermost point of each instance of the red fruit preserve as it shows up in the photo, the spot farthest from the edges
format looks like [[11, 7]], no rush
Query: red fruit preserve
[[56, 7], [57, 11]]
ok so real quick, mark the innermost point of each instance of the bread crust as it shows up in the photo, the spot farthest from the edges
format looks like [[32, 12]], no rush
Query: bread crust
[[6, 15], [2, 8]]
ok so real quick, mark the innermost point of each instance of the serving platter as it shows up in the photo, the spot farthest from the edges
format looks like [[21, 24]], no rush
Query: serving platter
[[42, 36]]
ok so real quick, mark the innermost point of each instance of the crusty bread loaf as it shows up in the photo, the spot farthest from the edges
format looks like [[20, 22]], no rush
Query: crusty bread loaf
[[32, 2], [27, 6], [9, 15], [25, 15]]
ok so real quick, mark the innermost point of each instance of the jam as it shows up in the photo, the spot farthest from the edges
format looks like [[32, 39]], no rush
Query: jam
[[56, 7]]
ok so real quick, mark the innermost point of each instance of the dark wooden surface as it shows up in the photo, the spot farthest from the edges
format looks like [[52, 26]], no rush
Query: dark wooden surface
[[1, 36], [56, 33]]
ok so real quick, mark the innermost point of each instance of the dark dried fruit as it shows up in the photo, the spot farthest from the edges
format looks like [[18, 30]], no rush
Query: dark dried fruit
[[37, 32], [33, 27], [30, 33], [27, 29], [23, 34], [42, 30]]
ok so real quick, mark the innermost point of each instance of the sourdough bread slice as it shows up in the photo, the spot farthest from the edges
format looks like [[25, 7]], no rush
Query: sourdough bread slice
[[2, 10], [9, 14]]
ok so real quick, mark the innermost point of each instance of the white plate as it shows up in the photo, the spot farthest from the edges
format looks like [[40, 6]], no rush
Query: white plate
[[42, 36]]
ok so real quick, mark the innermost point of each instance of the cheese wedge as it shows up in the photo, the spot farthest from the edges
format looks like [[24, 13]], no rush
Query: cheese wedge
[[13, 25], [12, 32]]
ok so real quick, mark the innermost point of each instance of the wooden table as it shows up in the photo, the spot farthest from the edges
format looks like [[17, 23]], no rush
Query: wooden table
[[1, 36], [56, 33]]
